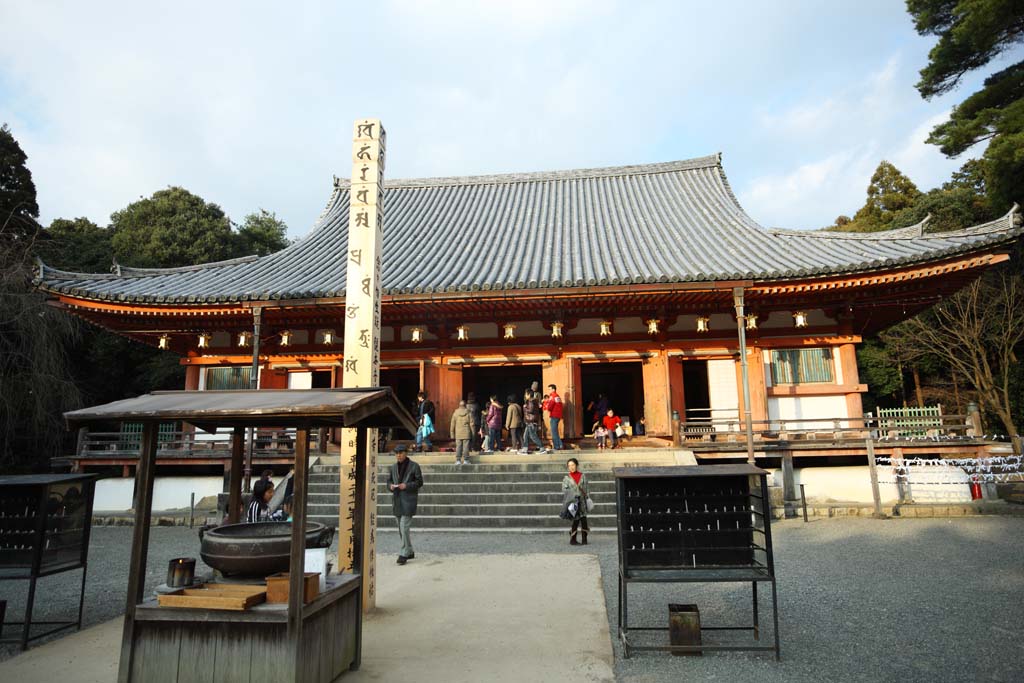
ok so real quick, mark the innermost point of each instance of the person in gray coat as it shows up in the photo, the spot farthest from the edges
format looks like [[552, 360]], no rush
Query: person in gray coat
[[404, 481], [576, 489], [461, 429]]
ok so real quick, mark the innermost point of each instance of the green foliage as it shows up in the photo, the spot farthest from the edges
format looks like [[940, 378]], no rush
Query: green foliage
[[261, 233], [970, 34], [78, 245], [34, 384], [878, 367], [889, 193], [18, 207], [959, 203], [172, 228]]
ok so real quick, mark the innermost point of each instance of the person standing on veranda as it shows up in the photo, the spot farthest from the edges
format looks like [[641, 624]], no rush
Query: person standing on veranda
[[514, 423], [554, 408], [405, 479], [426, 421], [494, 421], [531, 418], [461, 429]]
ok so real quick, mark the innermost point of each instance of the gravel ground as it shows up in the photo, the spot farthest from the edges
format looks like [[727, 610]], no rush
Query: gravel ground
[[859, 599]]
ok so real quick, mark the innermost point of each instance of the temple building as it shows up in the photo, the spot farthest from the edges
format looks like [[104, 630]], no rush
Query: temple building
[[615, 281]]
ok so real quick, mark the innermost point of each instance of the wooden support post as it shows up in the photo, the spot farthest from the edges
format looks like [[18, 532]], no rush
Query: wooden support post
[[297, 563], [144, 476], [364, 527], [789, 499], [235, 483], [875, 493]]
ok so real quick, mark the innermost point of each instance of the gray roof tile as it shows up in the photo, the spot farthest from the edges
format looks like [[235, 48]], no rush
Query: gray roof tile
[[669, 222]]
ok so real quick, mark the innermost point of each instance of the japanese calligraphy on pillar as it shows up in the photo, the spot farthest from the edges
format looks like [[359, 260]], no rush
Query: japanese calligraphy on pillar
[[361, 365]]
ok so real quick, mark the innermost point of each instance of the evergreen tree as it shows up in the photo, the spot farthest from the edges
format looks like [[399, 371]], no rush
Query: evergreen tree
[[970, 34], [18, 207]]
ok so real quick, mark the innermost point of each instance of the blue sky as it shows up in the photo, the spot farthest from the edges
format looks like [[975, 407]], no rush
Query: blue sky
[[251, 104]]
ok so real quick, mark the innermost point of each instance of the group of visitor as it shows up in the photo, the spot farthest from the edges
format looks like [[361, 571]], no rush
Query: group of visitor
[[476, 428]]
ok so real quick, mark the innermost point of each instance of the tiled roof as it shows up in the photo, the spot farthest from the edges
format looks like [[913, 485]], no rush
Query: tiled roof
[[670, 222]]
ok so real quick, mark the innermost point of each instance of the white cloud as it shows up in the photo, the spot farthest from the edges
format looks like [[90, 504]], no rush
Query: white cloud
[[837, 179], [879, 117]]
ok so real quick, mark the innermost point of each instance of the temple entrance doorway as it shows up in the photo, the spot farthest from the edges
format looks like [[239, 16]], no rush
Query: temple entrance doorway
[[500, 380], [621, 383], [405, 382], [696, 397]]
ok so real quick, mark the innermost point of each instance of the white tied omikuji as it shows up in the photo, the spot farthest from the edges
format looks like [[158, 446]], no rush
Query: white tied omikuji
[[997, 469]]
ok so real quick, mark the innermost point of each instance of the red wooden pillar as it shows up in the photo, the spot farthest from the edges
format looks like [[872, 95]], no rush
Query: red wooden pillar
[[447, 398], [192, 377], [848, 364], [675, 387], [564, 373]]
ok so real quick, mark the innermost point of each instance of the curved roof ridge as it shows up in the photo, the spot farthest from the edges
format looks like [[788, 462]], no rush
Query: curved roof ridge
[[709, 161], [45, 271], [1004, 223], [130, 271], [120, 272]]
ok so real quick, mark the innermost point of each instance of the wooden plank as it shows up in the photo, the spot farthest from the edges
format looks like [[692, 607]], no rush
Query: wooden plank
[[144, 477], [297, 562], [270, 655], [156, 656], [234, 652], [235, 481], [236, 598], [310, 651], [196, 655]]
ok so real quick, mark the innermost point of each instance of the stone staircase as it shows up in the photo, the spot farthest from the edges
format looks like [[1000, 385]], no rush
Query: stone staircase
[[509, 497], [508, 493]]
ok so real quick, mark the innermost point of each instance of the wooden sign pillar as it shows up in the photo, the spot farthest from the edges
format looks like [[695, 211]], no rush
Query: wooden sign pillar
[[361, 364]]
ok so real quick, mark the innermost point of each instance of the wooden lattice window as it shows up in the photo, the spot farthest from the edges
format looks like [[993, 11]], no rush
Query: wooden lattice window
[[802, 366]]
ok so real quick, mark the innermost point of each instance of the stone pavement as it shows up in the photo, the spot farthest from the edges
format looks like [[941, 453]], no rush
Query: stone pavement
[[536, 617]]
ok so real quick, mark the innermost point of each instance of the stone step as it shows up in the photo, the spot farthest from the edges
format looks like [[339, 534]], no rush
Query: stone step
[[493, 509], [526, 510], [481, 477], [496, 522], [467, 498], [606, 488]]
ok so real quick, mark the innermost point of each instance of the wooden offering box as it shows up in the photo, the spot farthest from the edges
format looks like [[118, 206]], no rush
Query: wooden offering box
[[277, 587], [215, 596]]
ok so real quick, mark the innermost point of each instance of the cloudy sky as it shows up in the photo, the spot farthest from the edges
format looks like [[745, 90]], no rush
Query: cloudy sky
[[251, 104]]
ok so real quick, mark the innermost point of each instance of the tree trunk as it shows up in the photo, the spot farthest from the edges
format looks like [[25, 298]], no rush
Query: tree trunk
[[917, 387]]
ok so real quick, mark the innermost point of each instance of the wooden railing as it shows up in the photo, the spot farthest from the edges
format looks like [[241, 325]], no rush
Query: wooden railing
[[187, 444], [827, 429]]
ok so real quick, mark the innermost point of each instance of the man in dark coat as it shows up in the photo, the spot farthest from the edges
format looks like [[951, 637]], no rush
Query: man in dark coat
[[404, 481]]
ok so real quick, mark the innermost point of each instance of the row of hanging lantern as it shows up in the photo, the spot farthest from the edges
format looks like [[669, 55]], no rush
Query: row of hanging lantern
[[416, 334]]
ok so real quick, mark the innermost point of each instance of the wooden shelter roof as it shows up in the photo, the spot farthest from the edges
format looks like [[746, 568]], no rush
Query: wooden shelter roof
[[304, 408]]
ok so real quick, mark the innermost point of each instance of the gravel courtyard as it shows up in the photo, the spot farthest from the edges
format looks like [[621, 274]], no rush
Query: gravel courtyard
[[859, 599]]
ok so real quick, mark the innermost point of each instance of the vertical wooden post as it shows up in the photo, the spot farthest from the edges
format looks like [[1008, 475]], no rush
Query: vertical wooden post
[[789, 499], [144, 476], [361, 365], [741, 332], [297, 562], [235, 474], [872, 468]]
